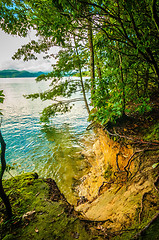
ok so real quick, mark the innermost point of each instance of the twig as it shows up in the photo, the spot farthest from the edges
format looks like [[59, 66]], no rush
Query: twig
[[123, 136], [91, 125], [139, 165], [10, 173]]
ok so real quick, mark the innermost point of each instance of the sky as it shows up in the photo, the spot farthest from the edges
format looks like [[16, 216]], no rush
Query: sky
[[9, 45]]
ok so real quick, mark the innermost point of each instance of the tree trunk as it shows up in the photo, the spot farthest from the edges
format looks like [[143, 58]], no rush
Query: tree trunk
[[123, 86], [98, 68], [91, 49], [81, 80], [146, 82], [3, 196], [137, 86], [5, 200], [154, 64]]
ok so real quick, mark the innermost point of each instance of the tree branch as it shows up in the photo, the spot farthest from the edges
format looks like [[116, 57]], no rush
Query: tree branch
[[3, 162]]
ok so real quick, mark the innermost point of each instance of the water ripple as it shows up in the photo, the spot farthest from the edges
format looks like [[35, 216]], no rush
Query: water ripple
[[52, 151]]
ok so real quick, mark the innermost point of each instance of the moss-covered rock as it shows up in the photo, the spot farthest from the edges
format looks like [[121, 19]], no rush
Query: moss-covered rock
[[40, 211]]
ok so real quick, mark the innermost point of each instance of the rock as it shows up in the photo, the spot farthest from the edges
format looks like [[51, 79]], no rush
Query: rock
[[28, 216]]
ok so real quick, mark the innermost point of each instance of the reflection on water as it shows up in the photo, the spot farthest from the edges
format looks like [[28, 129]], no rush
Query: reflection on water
[[52, 151], [63, 160]]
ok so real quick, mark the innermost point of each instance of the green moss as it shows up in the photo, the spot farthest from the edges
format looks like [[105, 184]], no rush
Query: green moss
[[51, 219], [108, 172], [152, 133], [152, 232], [9, 237], [150, 208]]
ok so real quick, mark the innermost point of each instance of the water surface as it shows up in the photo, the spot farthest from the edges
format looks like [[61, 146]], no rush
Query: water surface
[[50, 150]]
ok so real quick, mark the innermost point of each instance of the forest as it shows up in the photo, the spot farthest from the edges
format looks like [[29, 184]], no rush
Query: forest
[[110, 48]]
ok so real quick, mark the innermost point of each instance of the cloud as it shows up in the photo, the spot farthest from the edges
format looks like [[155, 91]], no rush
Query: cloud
[[9, 45], [32, 65]]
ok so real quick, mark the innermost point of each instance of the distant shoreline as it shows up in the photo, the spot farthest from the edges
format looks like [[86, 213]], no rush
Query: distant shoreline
[[19, 74], [16, 77]]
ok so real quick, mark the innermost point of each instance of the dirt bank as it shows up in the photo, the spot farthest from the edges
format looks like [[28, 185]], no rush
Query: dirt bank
[[121, 187]]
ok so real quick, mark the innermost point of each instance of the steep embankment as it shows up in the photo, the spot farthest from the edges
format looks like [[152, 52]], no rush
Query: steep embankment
[[121, 188]]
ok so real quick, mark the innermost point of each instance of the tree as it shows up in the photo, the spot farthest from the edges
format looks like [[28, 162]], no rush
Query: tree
[[127, 43], [3, 196], [1, 99], [57, 31], [69, 60], [121, 36]]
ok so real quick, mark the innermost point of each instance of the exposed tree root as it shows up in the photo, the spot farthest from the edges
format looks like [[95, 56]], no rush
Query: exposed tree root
[[117, 162], [103, 185], [134, 140], [141, 210], [155, 183], [131, 158]]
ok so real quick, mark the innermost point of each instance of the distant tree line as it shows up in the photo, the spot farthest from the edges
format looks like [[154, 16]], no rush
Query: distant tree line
[[18, 74]]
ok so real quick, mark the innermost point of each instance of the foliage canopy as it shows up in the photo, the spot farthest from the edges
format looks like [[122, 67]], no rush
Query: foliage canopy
[[118, 41]]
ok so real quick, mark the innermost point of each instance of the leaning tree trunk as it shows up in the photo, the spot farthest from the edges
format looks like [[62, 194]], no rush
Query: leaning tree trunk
[[3, 196], [81, 79], [99, 71], [123, 85], [91, 49]]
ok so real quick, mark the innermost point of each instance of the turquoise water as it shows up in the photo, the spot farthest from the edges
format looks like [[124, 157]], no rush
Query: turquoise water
[[51, 150]]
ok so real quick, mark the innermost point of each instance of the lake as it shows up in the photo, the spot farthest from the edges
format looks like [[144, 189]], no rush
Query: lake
[[51, 150]]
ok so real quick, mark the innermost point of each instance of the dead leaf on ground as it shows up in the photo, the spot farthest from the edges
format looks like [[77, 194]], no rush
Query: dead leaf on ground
[[1, 220], [36, 230]]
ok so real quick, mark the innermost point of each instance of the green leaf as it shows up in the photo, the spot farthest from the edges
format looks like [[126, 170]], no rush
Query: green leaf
[[155, 165]]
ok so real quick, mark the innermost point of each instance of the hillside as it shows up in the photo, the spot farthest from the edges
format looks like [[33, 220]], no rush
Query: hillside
[[18, 74]]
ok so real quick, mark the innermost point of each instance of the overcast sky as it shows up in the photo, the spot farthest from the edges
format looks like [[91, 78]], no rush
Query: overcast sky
[[9, 45]]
